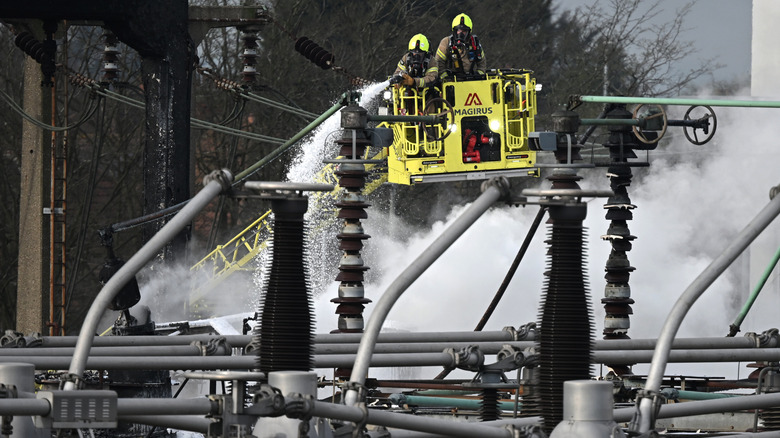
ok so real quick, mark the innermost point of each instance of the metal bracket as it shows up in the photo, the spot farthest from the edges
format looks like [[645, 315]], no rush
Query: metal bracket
[[79, 409]]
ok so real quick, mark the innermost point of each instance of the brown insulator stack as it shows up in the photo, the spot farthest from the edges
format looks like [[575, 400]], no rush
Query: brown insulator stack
[[110, 57], [249, 58], [352, 209], [617, 292]]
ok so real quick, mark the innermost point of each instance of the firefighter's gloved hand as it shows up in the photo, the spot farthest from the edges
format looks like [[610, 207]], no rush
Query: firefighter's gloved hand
[[407, 80]]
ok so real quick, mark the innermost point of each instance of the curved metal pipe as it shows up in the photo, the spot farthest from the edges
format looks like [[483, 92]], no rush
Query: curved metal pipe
[[644, 411], [358, 377], [220, 181]]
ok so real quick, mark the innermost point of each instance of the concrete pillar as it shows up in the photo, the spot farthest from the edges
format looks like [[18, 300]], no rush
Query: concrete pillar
[[33, 276]]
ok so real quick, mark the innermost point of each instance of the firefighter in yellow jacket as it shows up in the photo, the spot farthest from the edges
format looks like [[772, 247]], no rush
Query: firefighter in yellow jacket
[[460, 53], [416, 68]]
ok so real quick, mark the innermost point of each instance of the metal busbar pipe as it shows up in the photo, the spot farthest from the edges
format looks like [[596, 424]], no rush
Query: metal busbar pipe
[[218, 182], [322, 338], [383, 360], [412, 422], [172, 350], [730, 404], [448, 339], [643, 421], [493, 191]]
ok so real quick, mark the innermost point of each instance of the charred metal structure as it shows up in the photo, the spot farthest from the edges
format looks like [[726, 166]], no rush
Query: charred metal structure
[[158, 31]]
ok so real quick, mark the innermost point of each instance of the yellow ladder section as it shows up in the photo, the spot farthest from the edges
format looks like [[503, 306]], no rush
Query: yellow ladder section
[[234, 255]]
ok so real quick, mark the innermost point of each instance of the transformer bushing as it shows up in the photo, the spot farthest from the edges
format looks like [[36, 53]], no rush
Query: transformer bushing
[[565, 341], [285, 332], [617, 299], [352, 209], [565, 318]]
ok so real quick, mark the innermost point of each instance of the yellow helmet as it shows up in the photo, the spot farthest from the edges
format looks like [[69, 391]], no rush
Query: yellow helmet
[[419, 42], [461, 20]]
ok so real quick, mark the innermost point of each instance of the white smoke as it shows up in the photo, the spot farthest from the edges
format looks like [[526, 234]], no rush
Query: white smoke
[[690, 203]]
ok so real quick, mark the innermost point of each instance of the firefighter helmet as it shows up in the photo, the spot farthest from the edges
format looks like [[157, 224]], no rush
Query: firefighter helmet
[[461, 20], [419, 42]]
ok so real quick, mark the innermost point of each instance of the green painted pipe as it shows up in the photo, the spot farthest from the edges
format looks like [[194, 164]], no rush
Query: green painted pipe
[[460, 403], [343, 101], [734, 328], [697, 395], [677, 101], [458, 392]]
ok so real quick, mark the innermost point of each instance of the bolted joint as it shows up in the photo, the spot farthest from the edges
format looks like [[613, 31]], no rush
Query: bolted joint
[[526, 332], [501, 183], [768, 339], [299, 406], [531, 358], [223, 177], [530, 431], [469, 358], [214, 347], [510, 356], [267, 402]]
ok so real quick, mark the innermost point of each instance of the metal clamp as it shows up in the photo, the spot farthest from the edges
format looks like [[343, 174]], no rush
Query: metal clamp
[[769, 338], [524, 331], [77, 380], [267, 402], [213, 347], [299, 406], [224, 177], [468, 358], [657, 400]]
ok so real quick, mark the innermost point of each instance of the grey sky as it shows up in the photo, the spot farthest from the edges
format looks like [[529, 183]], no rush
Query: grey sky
[[720, 29]]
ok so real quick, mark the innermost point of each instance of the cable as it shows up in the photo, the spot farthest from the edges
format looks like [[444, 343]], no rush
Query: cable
[[235, 87], [101, 90], [222, 198], [86, 116], [87, 205]]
